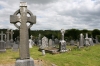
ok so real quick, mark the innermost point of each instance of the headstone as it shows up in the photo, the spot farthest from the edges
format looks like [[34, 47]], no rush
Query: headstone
[[39, 41], [53, 41], [43, 52], [50, 43], [72, 42], [15, 47], [31, 37], [81, 42], [8, 44], [30, 43], [25, 59], [91, 42], [62, 45], [11, 40], [87, 40], [96, 40], [11, 36], [44, 43], [17, 40], [56, 41], [2, 43]]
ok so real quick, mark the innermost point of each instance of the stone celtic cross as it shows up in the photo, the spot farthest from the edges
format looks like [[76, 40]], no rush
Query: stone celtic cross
[[2, 34], [23, 19], [63, 32]]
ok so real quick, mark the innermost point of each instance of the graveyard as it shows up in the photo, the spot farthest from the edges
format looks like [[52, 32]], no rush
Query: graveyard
[[87, 56], [64, 47], [84, 54]]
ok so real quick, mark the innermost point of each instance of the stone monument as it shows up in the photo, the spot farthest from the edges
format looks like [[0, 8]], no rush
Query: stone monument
[[39, 41], [25, 59], [62, 45], [11, 40], [8, 45], [50, 43], [87, 40], [81, 42], [2, 43], [44, 43], [11, 35], [53, 44]]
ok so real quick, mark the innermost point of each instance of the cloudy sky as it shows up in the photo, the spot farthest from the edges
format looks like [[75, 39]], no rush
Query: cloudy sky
[[55, 14]]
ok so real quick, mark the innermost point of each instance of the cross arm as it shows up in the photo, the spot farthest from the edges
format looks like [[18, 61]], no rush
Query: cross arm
[[14, 19], [32, 19]]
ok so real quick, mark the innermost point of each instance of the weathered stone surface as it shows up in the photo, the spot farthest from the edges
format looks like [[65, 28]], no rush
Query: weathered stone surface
[[44, 42], [8, 44], [50, 43], [25, 62], [72, 42], [23, 19], [56, 41], [87, 40], [81, 42], [30, 43], [62, 45], [11, 33], [15, 47]]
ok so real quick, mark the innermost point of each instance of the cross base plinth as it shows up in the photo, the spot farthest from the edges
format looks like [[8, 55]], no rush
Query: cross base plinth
[[25, 62]]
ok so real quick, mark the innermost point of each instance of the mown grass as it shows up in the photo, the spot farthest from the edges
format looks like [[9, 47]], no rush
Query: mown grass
[[87, 56]]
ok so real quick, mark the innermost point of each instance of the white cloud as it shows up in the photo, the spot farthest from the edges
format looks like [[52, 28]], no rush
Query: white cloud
[[55, 14]]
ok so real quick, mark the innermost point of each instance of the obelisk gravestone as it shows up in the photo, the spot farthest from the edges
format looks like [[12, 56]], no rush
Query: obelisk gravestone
[[25, 59]]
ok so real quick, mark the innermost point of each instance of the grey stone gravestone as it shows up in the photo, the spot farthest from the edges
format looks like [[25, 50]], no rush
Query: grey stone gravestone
[[62, 45], [15, 47], [11, 36], [39, 41], [25, 59], [91, 42], [11, 40], [44, 43], [31, 37], [50, 43], [2, 43], [72, 42], [96, 40], [8, 44], [56, 41], [17, 40], [31, 43], [87, 40], [53, 44], [81, 41]]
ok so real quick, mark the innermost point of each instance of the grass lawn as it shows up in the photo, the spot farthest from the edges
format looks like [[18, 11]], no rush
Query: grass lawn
[[87, 56]]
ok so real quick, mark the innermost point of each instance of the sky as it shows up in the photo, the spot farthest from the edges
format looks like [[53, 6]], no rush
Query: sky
[[55, 14]]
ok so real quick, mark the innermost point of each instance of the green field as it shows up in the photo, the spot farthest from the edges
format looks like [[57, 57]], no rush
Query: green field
[[87, 56]]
